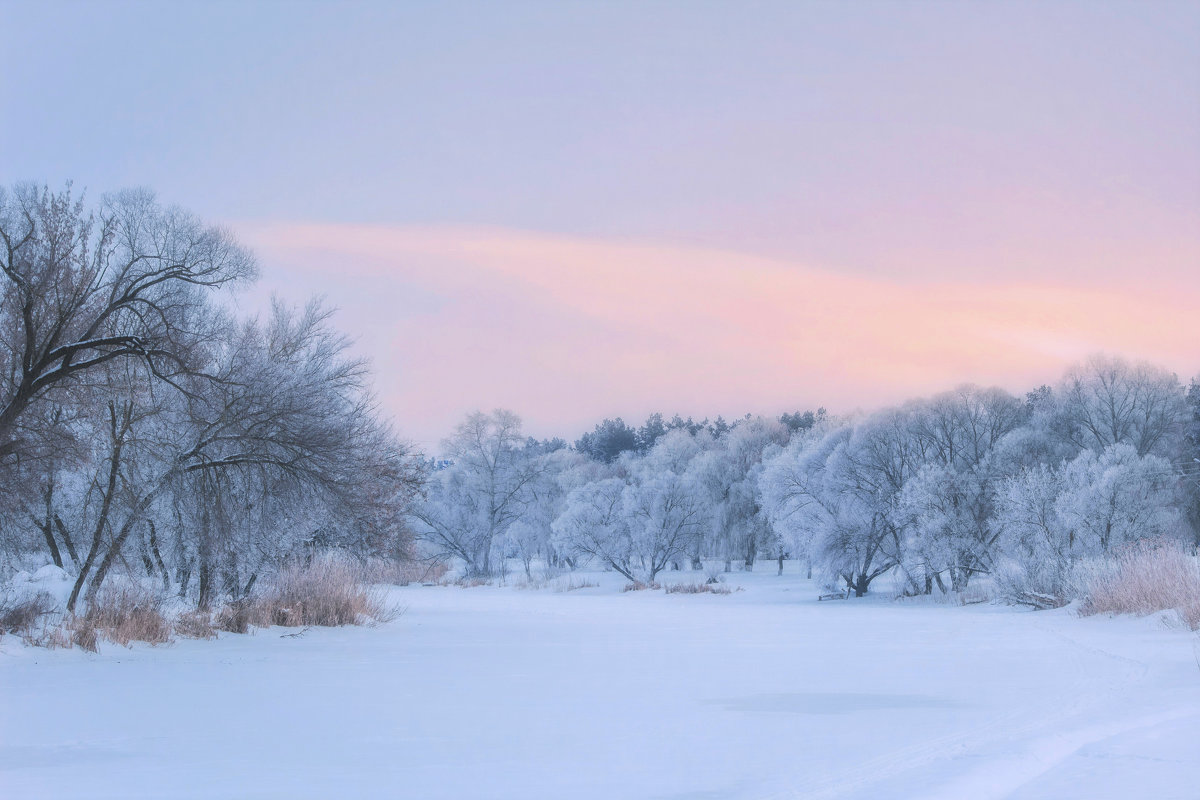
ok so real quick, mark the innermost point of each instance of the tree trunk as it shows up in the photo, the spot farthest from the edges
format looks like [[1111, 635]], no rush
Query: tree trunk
[[184, 577], [205, 586], [859, 583], [118, 428], [66, 537], [47, 527], [47, 530], [158, 559], [147, 564]]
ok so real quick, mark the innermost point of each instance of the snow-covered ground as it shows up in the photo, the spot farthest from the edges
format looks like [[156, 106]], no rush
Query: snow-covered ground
[[497, 692]]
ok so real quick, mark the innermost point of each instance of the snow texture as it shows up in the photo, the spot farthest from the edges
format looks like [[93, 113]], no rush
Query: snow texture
[[500, 692]]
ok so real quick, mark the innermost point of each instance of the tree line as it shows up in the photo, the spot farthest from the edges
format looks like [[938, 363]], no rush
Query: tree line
[[936, 492]]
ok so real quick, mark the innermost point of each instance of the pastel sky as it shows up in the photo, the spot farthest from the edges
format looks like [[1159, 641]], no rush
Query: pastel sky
[[586, 209]]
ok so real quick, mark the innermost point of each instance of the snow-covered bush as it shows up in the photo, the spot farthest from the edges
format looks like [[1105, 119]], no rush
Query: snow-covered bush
[[697, 588]]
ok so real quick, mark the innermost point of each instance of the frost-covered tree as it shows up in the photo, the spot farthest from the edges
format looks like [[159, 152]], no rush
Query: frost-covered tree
[[608, 441], [1116, 497], [945, 507], [469, 506], [790, 485], [818, 499], [1107, 400], [144, 429], [947, 516], [1037, 543], [1054, 517], [728, 472], [280, 414], [651, 430], [531, 536], [665, 516], [593, 525]]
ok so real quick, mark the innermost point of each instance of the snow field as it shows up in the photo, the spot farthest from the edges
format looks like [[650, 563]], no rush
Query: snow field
[[499, 692]]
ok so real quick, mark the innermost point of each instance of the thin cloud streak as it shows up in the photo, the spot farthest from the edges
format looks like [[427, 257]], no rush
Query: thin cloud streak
[[569, 330]]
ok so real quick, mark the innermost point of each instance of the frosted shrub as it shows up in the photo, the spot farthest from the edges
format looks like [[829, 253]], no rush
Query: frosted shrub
[[326, 592], [571, 585], [697, 588], [1145, 577], [1038, 585]]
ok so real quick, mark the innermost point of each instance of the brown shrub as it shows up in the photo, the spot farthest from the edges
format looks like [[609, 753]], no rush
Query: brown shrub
[[1146, 577], [235, 617], [196, 624], [325, 593], [124, 614], [20, 614], [80, 632]]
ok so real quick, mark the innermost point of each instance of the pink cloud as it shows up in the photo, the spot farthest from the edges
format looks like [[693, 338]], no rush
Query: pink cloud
[[569, 330]]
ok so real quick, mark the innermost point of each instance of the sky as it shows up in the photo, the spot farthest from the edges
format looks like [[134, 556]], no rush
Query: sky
[[581, 210]]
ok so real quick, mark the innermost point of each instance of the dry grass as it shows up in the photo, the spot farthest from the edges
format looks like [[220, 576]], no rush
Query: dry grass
[[124, 614], [121, 614], [196, 624], [1146, 577], [234, 617], [402, 573], [71, 632], [698, 588], [571, 585], [470, 583], [559, 585], [325, 593], [20, 615], [638, 586], [972, 595]]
